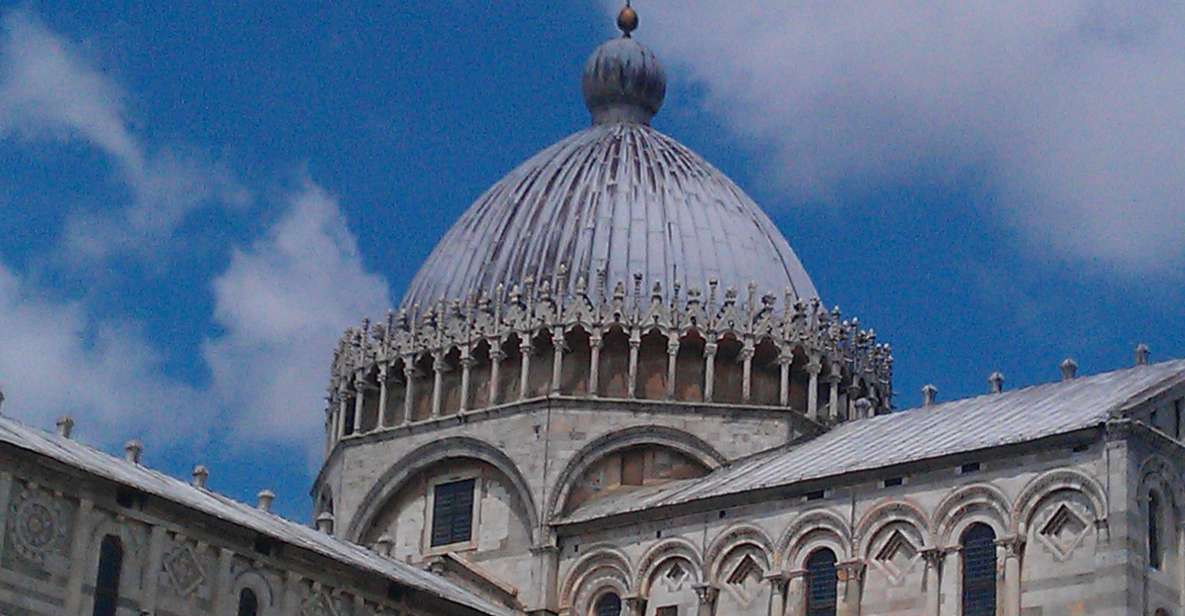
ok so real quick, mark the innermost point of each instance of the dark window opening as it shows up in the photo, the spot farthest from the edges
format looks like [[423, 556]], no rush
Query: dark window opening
[[668, 610], [394, 592], [970, 467], [893, 482], [130, 497], [263, 545], [452, 512], [608, 605], [1080, 448], [248, 603], [1154, 555], [816, 495], [979, 571], [107, 578], [821, 583]]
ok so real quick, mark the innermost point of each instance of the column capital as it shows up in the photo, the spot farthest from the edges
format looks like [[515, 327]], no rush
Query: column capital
[[849, 570], [814, 367], [1013, 545], [706, 593], [934, 555], [710, 349]]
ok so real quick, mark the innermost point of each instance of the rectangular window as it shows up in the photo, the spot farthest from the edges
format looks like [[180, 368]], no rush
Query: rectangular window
[[452, 512], [669, 610]]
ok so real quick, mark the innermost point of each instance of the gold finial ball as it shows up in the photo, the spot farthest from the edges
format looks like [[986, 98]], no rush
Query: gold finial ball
[[627, 20]]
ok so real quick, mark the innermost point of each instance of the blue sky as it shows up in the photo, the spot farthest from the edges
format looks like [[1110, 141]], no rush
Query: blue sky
[[196, 201]]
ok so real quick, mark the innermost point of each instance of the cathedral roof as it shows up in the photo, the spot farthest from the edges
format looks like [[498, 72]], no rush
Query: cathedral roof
[[97, 463], [611, 202], [955, 427]]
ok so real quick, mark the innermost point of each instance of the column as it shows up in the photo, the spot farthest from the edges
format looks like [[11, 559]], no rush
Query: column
[[360, 387], [341, 412], [706, 593], [934, 558], [746, 371], [151, 571], [78, 559], [813, 368], [497, 355], [709, 370], [777, 593], [439, 366], [635, 344], [784, 361], [796, 594], [547, 564], [1009, 550], [557, 360], [290, 594], [525, 349], [594, 369], [409, 389], [672, 359], [833, 395], [851, 574], [223, 582], [634, 606], [853, 395], [384, 374], [467, 363]]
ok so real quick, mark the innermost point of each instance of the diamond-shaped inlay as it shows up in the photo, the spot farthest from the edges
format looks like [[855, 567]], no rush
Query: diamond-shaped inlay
[[896, 557], [674, 577], [745, 580], [1063, 532], [184, 569]]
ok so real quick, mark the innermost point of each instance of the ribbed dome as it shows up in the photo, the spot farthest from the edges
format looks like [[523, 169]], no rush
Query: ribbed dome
[[618, 197]]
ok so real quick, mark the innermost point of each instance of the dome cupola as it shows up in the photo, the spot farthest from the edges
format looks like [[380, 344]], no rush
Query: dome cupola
[[623, 81]]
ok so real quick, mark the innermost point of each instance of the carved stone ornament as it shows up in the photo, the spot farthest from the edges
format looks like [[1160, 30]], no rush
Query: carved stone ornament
[[184, 569], [37, 526]]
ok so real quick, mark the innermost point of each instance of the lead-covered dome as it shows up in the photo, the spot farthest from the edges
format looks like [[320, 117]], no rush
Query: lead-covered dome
[[611, 202]]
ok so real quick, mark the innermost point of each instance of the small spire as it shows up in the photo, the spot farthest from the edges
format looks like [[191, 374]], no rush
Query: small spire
[[627, 20], [1142, 354], [1069, 368], [200, 475], [996, 381], [265, 500], [325, 523], [929, 395], [133, 450], [65, 426]]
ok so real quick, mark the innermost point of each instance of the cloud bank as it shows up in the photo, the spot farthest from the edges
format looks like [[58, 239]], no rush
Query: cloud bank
[[280, 305], [1071, 110], [49, 91], [283, 303]]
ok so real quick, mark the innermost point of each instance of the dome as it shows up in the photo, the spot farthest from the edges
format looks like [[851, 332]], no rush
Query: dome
[[621, 198]]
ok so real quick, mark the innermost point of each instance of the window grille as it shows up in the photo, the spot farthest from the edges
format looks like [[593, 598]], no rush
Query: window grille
[[107, 578], [452, 512], [821, 581], [248, 603], [979, 571], [608, 605]]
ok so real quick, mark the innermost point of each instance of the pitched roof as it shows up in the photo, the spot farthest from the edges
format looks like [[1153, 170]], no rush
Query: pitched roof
[[95, 462], [953, 427]]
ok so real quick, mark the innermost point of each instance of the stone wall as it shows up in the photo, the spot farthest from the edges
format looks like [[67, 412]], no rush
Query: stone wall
[[176, 562]]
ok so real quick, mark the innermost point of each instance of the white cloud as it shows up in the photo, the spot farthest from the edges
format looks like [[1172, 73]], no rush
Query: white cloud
[[1072, 108], [283, 303], [55, 361], [50, 91]]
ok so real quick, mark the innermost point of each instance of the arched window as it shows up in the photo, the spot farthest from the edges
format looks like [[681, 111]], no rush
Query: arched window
[[821, 583], [107, 578], [1154, 542], [248, 603], [608, 605], [979, 570]]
